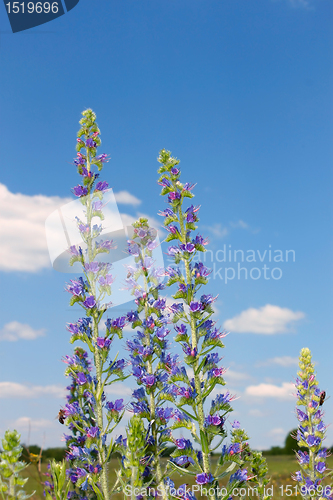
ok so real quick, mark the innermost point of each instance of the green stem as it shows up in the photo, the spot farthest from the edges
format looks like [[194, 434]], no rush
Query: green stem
[[197, 380], [98, 360], [152, 407]]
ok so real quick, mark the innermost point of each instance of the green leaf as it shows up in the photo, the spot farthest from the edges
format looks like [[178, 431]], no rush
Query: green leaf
[[204, 442], [227, 471], [183, 471]]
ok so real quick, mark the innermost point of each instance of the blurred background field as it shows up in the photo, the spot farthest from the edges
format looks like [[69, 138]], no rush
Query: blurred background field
[[280, 469]]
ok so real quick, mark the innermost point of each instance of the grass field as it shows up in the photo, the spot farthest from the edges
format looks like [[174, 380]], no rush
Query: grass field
[[280, 470]]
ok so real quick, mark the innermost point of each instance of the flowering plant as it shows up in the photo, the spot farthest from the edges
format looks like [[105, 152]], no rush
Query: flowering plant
[[151, 363], [311, 433], [88, 408], [198, 336], [171, 393], [11, 483]]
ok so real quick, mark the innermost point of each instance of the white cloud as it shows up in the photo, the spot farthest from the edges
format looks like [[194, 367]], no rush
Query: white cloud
[[126, 198], [25, 423], [234, 376], [281, 361], [271, 391], [277, 431], [255, 412], [14, 331], [239, 224], [266, 320], [218, 230], [118, 389], [23, 245], [22, 230], [22, 391], [302, 4]]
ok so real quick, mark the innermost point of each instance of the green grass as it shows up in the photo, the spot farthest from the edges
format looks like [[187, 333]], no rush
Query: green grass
[[280, 470]]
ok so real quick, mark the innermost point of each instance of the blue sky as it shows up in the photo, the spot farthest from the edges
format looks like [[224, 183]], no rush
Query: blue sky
[[240, 92]]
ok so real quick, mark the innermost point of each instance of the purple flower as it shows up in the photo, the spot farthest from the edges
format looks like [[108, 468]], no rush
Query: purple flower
[[106, 280], [179, 416], [107, 244], [103, 342], [321, 467], [234, 448], [92, 267], [181, 329], [174, 195], [101, 186], [302, 417], [97, 206], [182, 444], [92, 432], [313, 441], [213, 420], [77, 287], [81, 378], [240, 475], [79, 160], [188, 247], [90, 302], [117, 406], [189, 351], [177, 308], [164, 182], [80, 190], [188, 186], [183, 460], [149, 380], [195, 306], [90, 143], [204, 478], [102, 158], [167, 213], [173, 251]]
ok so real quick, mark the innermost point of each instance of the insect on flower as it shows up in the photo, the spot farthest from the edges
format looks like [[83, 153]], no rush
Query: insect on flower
[[322, 398], [61, 416]]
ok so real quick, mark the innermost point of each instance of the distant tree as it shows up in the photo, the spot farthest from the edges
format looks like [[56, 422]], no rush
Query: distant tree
[[290, 444]]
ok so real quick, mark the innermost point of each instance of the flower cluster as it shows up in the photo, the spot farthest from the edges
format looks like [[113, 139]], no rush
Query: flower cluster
[[311, 433], [199, 337], [150, 360], [87, 408], [11, 482]]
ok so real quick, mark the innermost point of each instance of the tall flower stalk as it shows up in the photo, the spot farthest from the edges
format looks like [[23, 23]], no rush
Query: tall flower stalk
[[91, 414], [311, 433], [198, 337], [11, 482], [151, 363]]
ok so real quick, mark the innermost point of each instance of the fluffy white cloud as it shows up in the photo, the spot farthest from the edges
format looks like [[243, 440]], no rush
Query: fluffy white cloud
[[24, 423], [255, 412], [118, 389], [277, 431], [126, 198], [23, 245], [22, 230], [14, 331], [234, 377], [281, 361], [22, 391], [218, 230], [266, 320], [263, 390]]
